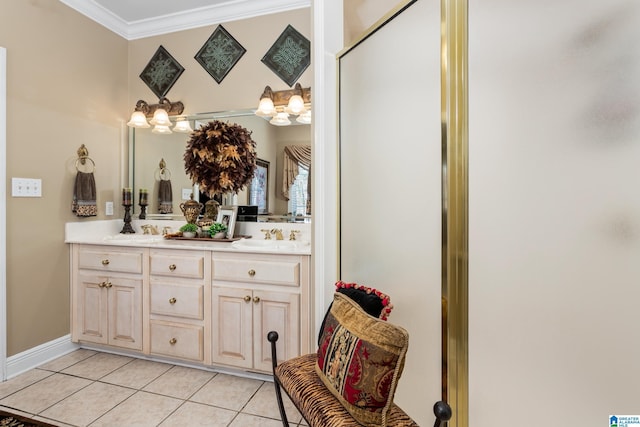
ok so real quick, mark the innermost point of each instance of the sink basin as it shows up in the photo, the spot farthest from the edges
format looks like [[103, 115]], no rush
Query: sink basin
[[137, 238], [269, 244]]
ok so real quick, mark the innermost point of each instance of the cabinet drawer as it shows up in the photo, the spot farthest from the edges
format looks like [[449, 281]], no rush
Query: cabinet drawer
[[174, 340], [174, 299], [276, 270], [178, 264], [110, 260]]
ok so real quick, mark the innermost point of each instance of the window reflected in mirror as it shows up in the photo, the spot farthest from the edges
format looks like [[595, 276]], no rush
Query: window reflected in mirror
[[298, 195]]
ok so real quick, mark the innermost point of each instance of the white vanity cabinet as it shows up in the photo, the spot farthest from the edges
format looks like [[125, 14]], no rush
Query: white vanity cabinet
[[253, 294], [107, 296], [201, 306], [177, 303]]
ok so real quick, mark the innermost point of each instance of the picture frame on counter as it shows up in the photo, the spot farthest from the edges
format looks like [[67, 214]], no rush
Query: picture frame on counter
[[227, 215]]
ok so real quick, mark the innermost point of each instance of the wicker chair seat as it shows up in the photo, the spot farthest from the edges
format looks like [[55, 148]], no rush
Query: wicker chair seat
[[315, 402]]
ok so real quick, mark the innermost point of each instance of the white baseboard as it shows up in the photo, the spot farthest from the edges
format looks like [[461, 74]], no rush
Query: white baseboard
[[36, 356]]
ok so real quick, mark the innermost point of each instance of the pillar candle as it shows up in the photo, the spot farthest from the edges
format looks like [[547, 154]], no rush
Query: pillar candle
[[143, 196], [126, 197]]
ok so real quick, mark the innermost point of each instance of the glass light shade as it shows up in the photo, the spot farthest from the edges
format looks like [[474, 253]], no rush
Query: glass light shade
[[296, 105], [161, 129], [160, 117], [304, 118], [182, 126], [138, 120], [280, 119], [266, 108]]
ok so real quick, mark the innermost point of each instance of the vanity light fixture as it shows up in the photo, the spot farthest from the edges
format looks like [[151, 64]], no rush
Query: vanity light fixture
[[182, 126], [160, 113], [281, 104]]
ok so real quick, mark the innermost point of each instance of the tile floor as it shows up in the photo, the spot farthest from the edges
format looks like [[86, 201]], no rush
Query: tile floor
[[89, 388]]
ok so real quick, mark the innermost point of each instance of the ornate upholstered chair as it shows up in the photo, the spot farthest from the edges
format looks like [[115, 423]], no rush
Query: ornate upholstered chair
[[351, 380]]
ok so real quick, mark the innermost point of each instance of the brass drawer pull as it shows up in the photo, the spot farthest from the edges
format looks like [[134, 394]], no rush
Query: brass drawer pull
[[102, 284], [256, 299], [172, 341], [108, 285], [172, 267], [172, 300], [247, 298], [105, 262], [252, 272]]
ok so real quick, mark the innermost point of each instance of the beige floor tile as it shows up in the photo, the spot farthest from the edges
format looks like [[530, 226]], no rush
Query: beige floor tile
[[39, 396], [179, 382], [16, 411], [85, 406], [97, 366], [140, 410], [195, 415], [21, 381], [246, 420], [136, 374], [67, 360], [227, 391], [53, 422], [264, 404]]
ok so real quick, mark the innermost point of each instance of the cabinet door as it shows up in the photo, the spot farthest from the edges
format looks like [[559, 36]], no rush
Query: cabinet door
[[91, 310], [232, 325], [280, 312], [125, 312]]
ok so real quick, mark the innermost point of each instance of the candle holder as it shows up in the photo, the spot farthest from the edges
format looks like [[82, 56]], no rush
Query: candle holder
[[143, 211], [127, 229]]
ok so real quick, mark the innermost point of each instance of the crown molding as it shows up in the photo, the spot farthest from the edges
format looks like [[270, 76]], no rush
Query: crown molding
[[183, 20]]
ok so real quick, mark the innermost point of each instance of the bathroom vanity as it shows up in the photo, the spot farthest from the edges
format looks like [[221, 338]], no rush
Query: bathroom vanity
[[202, 303]]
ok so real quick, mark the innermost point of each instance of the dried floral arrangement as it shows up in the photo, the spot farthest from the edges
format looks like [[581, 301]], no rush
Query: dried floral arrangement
[[220, 158]]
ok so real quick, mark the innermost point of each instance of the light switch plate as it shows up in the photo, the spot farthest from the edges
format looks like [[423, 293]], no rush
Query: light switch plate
[[108, 208], [26, 187]]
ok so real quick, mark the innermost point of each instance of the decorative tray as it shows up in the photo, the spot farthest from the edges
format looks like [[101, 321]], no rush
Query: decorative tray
[[206, 239]]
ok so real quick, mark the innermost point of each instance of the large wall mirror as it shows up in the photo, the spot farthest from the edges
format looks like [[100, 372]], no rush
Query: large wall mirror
[[149, 153]]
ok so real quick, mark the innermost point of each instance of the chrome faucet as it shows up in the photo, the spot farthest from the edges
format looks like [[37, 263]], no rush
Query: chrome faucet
[[278, 233], [166, 230]]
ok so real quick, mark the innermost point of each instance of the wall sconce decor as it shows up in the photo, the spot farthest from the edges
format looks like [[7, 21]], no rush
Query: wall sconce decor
[[160, 113], [284, 103], [220, 53], [161, 72], [289, 56]]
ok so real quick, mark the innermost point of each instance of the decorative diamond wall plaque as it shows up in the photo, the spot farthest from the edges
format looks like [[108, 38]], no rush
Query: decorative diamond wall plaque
[[220, 53], [161, 72], [289, 56]]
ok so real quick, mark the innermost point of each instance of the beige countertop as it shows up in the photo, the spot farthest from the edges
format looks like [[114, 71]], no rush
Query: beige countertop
[[108, 233]]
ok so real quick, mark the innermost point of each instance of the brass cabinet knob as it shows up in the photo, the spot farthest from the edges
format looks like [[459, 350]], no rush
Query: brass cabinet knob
[[172, 300], [172, 341], [252, 272], [247, 298], [105, 262], [172, 267], [108, 285], [102, 284], [256, 299]]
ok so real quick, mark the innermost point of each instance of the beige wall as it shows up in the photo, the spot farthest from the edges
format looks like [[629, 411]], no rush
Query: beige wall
[[242, 86], [71, 82], [359, 15], [66, 86]]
